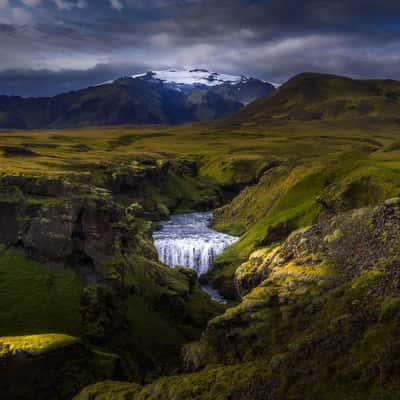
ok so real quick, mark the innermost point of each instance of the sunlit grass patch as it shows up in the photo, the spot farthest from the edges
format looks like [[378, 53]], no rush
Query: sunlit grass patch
[[35, 344]]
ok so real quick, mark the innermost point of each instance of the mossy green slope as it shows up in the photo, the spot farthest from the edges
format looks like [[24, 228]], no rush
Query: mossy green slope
[[316, 307], [295, 193], [79, 260], [35, 344], [319, 320], [109, 390], [36, 299]]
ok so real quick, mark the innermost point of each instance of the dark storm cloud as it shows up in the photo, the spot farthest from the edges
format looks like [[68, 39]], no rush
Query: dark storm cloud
[[50, 46], [45, 82]]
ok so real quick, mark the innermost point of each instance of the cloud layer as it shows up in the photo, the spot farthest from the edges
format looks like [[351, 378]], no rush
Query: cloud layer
[[49, 46]]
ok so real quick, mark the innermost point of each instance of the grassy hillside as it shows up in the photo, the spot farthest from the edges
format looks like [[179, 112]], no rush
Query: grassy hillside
[[319, 97], [37, 299]]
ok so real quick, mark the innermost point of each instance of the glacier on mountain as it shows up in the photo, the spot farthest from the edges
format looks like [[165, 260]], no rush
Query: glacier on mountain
[[193, 77]]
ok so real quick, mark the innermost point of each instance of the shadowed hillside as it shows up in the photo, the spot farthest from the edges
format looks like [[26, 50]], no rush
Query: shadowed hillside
[[321, 97], [130, 101]]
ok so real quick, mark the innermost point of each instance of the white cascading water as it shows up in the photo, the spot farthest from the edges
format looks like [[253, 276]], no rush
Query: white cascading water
[[187, 240]]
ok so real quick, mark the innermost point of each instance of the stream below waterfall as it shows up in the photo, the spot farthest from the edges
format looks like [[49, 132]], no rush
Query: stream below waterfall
[[187, 240]]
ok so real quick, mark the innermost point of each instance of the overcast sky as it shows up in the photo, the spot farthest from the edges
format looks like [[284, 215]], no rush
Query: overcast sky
[[51, 46]]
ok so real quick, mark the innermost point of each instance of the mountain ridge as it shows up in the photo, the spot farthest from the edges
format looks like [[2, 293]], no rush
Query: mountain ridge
[[129, 100]]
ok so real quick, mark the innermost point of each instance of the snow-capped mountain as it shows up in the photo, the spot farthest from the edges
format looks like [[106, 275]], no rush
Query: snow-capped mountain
[[239, 88], [155, 97], [191, 78]]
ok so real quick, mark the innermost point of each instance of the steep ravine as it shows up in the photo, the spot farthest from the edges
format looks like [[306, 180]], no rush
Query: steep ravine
[[80, 249], [319, 319], [316, 270]]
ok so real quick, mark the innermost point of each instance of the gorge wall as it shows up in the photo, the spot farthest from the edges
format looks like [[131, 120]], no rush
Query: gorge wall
[[81, 250]]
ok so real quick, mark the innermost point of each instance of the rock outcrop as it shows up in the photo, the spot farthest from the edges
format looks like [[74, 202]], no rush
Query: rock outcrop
[[50, 366]]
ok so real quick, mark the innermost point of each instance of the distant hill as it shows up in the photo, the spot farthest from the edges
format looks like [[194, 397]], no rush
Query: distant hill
[[162, 97], [322, 97]]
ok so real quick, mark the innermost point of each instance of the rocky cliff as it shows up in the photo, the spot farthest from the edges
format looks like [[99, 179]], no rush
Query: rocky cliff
[[319, 319], [80, 247]]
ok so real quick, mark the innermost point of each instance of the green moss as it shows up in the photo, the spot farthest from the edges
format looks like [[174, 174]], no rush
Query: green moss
[[365, 185], [335, 236], [200, 308], [390, 309], [296, 208], [375, 341], [365, 281], [151, 280], [36, 299], [292, 196], [158, 336], [216, 383], [36, 344], [230, 169], [344, 297], [146, 324], [108, 390]]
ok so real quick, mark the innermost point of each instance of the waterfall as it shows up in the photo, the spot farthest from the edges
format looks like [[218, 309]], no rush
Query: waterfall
[[187, 240]]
